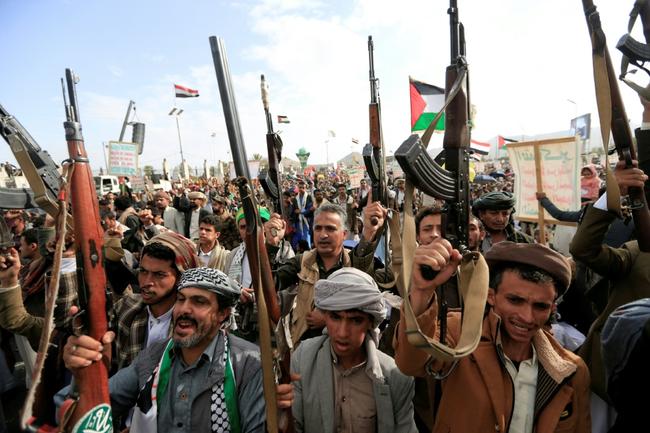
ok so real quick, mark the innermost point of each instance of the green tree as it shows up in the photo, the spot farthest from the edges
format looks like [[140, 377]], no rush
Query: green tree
[[148, 170]]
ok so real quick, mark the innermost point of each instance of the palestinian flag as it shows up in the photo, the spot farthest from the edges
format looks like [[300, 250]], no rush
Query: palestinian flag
[[185, 92], [283, 119], [503, 141], [426, 102], [480, 147]]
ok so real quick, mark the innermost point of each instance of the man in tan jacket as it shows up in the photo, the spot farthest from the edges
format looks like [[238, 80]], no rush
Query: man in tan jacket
[[519, 379]]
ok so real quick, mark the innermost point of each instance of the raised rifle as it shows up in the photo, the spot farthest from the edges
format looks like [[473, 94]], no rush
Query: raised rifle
[[450, 184], [265, 294], [373, 152], [38, 167], [614, 119], [270, 178], [92, 411]]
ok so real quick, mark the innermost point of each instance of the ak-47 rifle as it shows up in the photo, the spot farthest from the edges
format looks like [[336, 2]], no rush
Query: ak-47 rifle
[[270, 178], [373, 152], [613, 118], [452, 186], [92, 411], [452, 183], [37, 165], [265, 293]]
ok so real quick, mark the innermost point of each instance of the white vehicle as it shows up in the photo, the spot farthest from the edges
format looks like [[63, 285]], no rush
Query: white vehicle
[[105, 184]]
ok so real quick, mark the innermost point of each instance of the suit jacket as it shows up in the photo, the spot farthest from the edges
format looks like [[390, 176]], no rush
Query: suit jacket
[[174, 220], [313, 407]]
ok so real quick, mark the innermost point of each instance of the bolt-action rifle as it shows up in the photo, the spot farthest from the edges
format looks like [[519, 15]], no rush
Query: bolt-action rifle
[[92, 411], [613, 118], [265, 294], [450, 184]]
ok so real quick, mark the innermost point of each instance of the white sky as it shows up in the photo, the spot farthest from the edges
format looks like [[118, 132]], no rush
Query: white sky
[[528, 60]]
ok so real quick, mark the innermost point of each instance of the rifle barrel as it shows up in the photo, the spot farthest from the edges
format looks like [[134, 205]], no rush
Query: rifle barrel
[[222, 70]]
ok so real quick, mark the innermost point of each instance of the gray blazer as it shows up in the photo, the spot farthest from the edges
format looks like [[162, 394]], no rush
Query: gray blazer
[[174, 220], [313, 407]]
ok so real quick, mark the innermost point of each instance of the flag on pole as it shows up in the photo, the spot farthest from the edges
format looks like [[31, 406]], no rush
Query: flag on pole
[[480, 147], [502, 141], [283, 119], [426, 101], [185, 92]]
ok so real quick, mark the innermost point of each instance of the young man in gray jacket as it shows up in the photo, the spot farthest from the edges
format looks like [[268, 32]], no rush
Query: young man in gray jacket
[[346, 384]]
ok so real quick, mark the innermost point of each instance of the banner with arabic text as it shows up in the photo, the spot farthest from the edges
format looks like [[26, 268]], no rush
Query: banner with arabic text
[[551, 166]]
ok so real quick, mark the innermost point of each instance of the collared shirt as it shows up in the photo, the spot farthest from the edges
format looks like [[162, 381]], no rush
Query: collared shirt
[[185, 384], [204, 257], [158, 327], [525, 385], [355, 410]]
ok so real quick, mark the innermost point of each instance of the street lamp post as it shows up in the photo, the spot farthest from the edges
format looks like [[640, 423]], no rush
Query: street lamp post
[[177, 112]]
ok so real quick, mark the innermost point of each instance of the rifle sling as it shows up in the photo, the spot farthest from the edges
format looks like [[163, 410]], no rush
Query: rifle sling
[[602, 66], [473, 283], [458, 84]]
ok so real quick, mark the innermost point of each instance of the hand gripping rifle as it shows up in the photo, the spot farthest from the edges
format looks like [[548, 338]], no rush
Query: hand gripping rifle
[[270, 178], [451, 185], [92, 411], [613, 118], [265, 293]]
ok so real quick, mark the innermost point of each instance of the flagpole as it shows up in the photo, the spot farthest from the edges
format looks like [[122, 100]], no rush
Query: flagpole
[[176, 112]]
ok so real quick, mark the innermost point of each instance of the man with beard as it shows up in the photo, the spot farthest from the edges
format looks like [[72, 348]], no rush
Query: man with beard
[[141, 319], [301, 272], [495, 210], [200, 380], [229, 237], [194, 214], [172, 218]]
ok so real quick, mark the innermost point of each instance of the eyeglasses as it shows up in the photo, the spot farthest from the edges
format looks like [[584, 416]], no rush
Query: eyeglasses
[[157, 275]]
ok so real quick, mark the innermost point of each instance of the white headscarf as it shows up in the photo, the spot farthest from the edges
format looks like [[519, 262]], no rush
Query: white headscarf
[[350, 289]]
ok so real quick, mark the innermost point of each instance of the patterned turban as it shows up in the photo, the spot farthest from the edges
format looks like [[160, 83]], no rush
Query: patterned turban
[[183, 248], [212, 280]]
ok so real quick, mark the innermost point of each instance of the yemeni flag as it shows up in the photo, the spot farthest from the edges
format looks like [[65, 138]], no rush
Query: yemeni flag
[[426, 101], [283, 119], [480, 147], [185, 92]]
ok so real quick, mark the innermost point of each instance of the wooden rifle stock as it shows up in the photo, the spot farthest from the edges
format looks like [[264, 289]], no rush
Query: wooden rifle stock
[[378, 163], [618, 122], [260, 266], [92, 411], [255, 246]]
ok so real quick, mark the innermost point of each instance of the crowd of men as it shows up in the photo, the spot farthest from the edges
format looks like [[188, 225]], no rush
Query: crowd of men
[[562, 338]]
